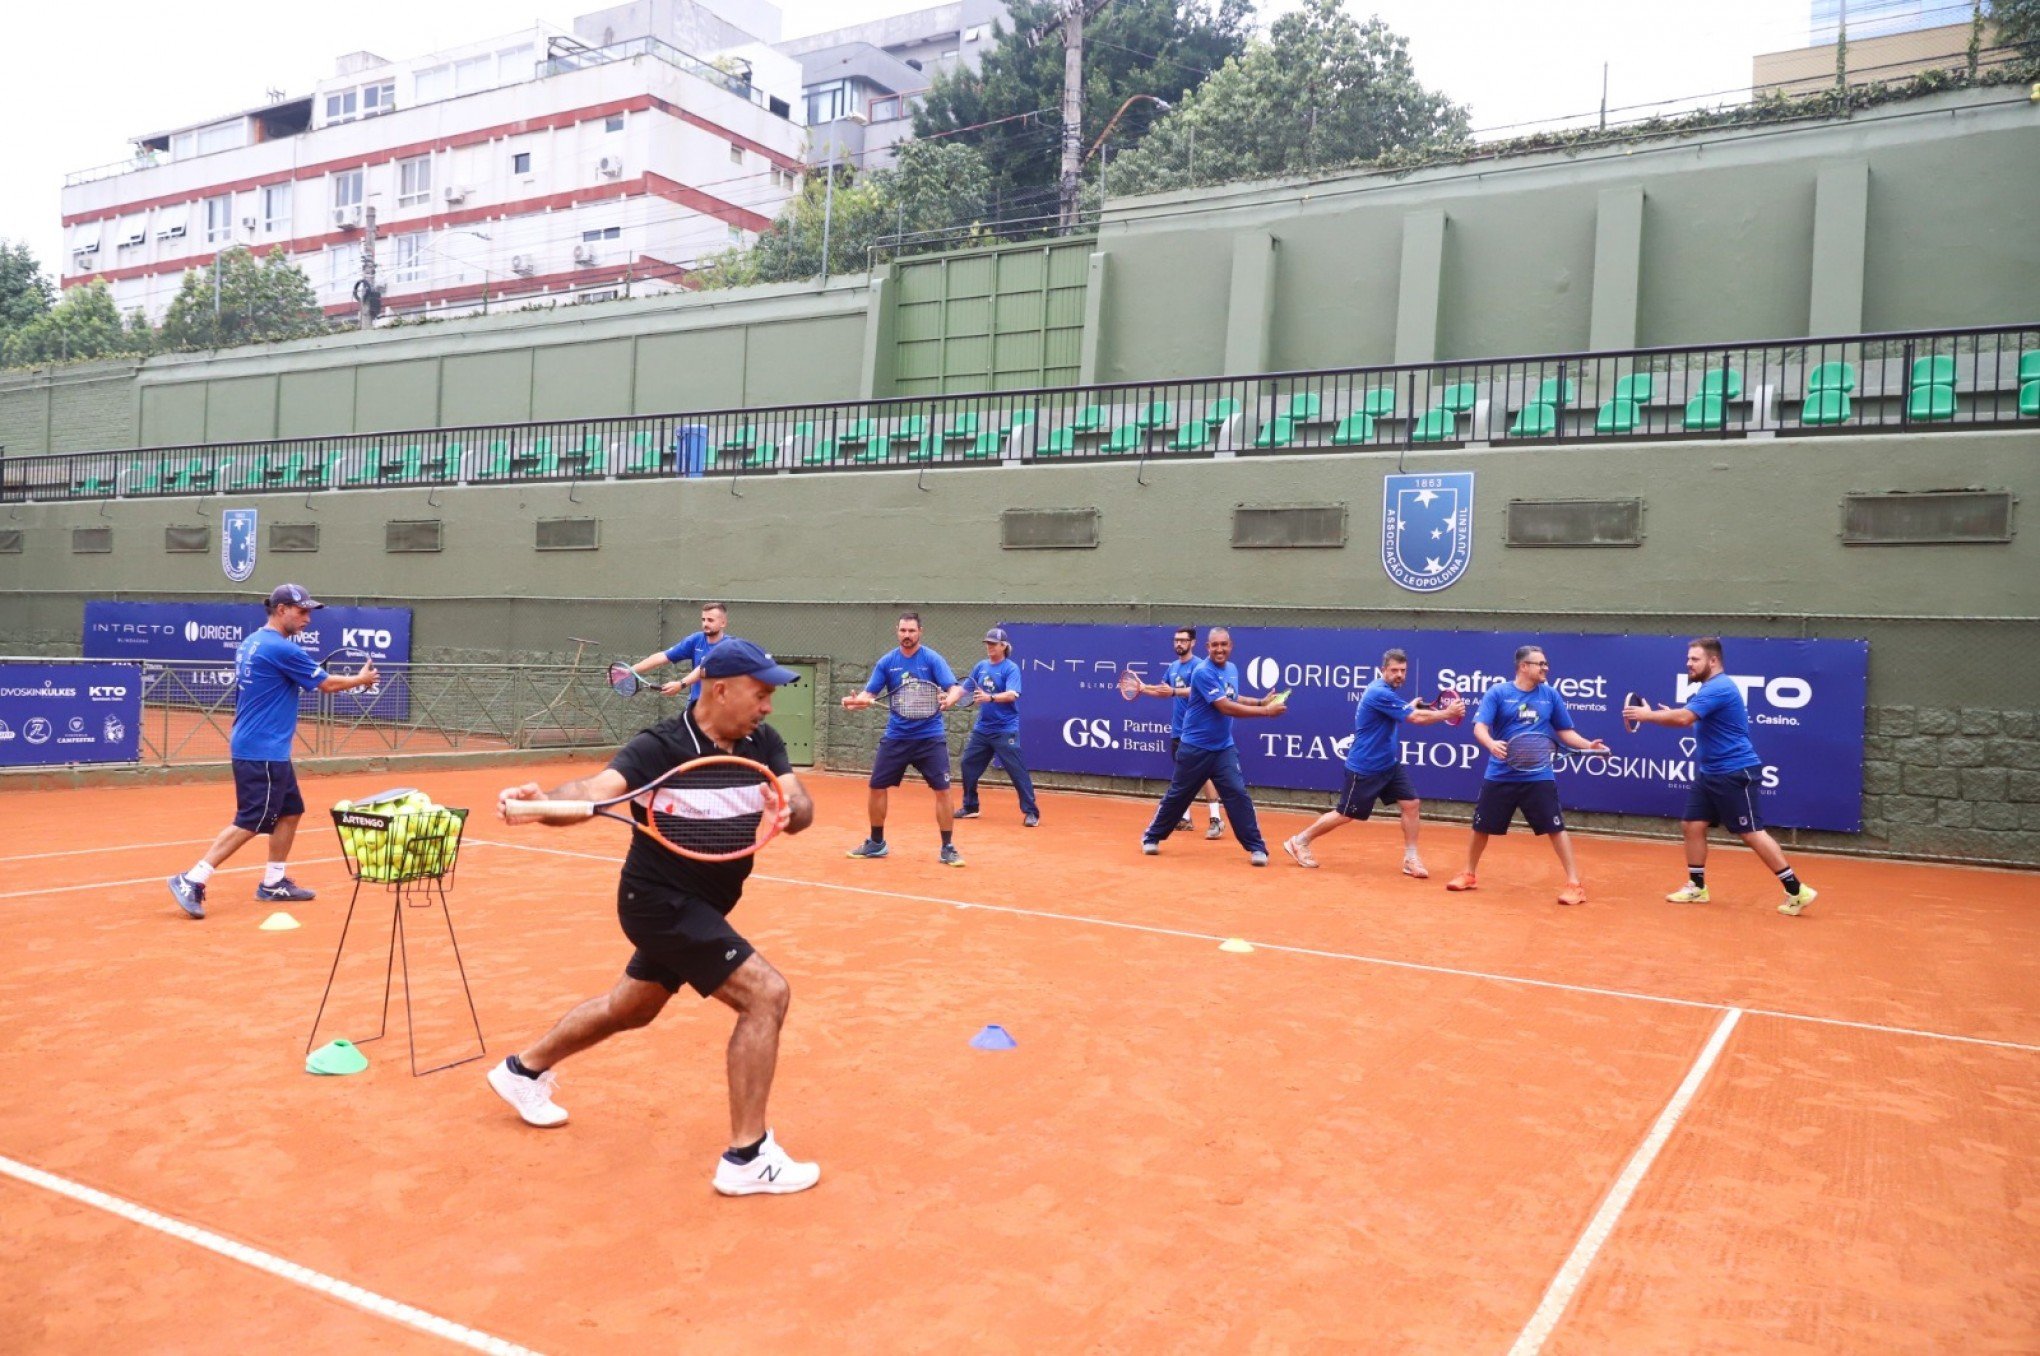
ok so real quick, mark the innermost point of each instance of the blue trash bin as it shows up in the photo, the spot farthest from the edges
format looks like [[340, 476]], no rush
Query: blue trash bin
[[690, 449]]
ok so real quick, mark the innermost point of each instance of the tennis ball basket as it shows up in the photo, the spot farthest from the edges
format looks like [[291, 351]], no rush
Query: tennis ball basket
[[401, 841]]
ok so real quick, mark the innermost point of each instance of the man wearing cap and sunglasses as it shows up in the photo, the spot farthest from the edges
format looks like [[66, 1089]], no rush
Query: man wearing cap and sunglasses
[[270, 670], [994, 687]]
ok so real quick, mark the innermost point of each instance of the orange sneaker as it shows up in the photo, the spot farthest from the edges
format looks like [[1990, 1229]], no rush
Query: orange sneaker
[[1573, 894], [1463, 881]]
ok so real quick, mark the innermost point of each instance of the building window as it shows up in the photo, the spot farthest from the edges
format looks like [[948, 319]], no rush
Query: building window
[[976, 34], [520, 163], [276, 209], [347, 189], [183, 145], [473, 73], [949, 55], [219, 220], [736, 235], [603, 233], [378, 99], [432, 84], [826, 103], [343, 266], [885, 110], [414, 181], [407, 258], [614, 124], [736, 154], [222, 136], [342, 107]]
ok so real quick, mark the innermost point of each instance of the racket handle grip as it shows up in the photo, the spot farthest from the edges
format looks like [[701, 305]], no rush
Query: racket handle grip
[[519, 811]]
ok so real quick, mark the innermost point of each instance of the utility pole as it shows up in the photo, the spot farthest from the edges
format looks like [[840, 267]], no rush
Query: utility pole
[[828, 203], [1072, 109], [368, 293]]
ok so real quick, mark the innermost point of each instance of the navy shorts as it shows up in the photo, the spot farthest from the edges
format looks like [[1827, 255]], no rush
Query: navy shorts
[[1364, 790], [1727, 799], [929, 757], [1499, 802], [680, 939], [264, 793]]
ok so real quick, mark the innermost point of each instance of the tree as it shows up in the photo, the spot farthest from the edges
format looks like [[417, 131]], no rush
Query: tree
[[1321, 91], [2018, 24], [1158, 47], [936, 185], [256, 303], [83, 324], [25, 291]]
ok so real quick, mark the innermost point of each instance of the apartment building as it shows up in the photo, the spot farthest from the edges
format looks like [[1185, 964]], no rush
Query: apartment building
[[539, 164]]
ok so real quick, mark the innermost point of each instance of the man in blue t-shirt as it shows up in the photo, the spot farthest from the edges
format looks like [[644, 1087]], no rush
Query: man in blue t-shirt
[[715, 619], [994, 687], [1726, 776], [1176, 684], [1374, 771], [922, 744], [1528, 709], [270, 670], [1205, 750]]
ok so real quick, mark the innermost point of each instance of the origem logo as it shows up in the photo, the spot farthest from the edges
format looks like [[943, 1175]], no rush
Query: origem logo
[[196, 631], [1265, 671]]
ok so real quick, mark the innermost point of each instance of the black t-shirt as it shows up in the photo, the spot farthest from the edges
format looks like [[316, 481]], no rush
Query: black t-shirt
[[652, 752]]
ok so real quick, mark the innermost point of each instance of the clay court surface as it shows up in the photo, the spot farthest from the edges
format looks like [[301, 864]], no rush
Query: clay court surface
[[1388, 1128]]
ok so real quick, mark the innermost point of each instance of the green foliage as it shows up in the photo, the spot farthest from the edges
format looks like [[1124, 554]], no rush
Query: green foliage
[[1322, 90], [2017, 23], [1158, 47], [25, 291], [83, 324], [257, 303]]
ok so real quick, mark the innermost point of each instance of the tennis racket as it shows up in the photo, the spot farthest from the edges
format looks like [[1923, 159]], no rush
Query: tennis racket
[[625, 681], [1447, 696], [1630, 699], [714, 809], [916, 699], [1527, 751], [1129, 684], [346, 661], [1278, 697]]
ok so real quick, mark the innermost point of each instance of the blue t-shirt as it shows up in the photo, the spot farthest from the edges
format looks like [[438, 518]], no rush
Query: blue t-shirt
[[269, 672], [1722, 736], [1178, 675], [692, 650], [1374, 743], [997, 718], [1507, 711], [924, 663], [1204, 725]]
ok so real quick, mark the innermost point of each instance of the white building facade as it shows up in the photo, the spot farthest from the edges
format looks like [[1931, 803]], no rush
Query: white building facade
[[537, 165]]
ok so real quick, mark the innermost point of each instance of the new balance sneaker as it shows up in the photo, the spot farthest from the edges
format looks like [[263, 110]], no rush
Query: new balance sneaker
[[1688, 893], [1299, 851], [1257, 858], [1413, 867], [1216, 830], [1150, 848], [870, 847], [968, 812], [533, 1097], [1796, 904], [1465, 880], [950, 856], [1030, 821], [285, 891], [189, 894], [772, 1173]]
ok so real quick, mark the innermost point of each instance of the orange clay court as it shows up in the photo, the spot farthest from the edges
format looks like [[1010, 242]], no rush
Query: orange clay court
[[1407, 1121]]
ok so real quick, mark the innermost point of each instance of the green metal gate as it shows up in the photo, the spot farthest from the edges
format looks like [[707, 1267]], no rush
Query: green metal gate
[[990, 320]]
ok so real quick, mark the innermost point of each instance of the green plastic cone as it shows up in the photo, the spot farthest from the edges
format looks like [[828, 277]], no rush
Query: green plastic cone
[[336, 1057]]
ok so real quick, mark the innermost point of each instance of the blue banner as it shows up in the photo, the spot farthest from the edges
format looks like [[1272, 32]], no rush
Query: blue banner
[[200, 639], [70, 713], [1806, 700]]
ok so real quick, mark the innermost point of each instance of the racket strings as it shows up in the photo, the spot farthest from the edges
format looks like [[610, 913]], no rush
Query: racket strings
[[1528, 751], [624, 680], [712, 811], [916, 699]]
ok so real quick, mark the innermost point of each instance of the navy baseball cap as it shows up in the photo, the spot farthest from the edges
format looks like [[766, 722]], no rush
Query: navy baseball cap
[[733, 657], [293, 595], [997, 636]]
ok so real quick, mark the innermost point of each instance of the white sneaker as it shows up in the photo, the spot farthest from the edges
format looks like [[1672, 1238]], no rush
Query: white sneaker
[[531, 1096], [772, 1172], [1299, 851]]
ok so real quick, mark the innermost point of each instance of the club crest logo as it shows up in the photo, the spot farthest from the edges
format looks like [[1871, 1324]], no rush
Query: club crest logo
[[115, 730], [237, 544], [1427, 529]]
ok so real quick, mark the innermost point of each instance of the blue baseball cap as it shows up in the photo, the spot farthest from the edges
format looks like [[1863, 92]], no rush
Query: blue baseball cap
[[293, 595], [734, 657]]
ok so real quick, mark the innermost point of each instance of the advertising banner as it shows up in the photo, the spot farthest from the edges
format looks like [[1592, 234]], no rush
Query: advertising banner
[[201, 638], [70, 713], [1806, 702]]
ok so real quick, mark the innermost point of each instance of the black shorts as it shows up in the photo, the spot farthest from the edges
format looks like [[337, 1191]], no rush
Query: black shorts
[[1727, 799], [1499, 802], [680, 939], [929, 757], [264, 793], [1364, 790]]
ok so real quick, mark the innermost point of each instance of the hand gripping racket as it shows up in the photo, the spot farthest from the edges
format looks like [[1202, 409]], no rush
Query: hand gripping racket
[[1447, 696], [714, 809], [916, 699], [1129, 684], [626, 681], [1628, 700], [1527, 751]]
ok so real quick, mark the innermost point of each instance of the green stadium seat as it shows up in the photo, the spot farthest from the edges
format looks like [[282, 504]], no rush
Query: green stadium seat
[[288, 469], [1090, 419], [1618, 416], [91, 482], [2029, 400], [1722, 382], [594, 455], [1220, 411], [1555, 391], [1156, 414], [990, 444], [1931, 403], [1825, 407], [876, 448], [856, 432], [366, 467], [1305, 406], [1705, 412], [1535, 421], [962, 428], [1192, 435], [644, 456], [1357, 427], [1636, 388], [764, 452], [1060, 442], [142, 477], [1935, 370], [195, 474], [1126, 438], [496, 463], [822, 453], [1831, 377], [246, 473], [2029, 366], [1012, 419], [738, 440], [1379, 402], [1458, 398], [913, 426], [1436, 426], [1277, 432]]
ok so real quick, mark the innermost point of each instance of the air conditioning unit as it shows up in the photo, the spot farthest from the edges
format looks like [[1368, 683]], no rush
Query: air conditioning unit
[[611, 165], [347, 218], [861, 119], [523, 265], [583, 255], [455, 193]]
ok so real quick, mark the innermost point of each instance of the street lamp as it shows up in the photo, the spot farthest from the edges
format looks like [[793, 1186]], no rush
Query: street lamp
[[1160, 103]]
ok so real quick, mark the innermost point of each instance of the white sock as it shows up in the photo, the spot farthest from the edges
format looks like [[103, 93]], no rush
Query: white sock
[[200, 874], [1214, 814], [272, 873]]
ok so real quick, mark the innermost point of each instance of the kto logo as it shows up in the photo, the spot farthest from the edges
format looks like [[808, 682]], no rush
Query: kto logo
[[365, 636], [1079, 733], [106, 694], [1786, 694]]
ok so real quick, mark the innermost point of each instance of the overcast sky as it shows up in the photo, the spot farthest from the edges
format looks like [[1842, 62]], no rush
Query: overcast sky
[[83, 81]]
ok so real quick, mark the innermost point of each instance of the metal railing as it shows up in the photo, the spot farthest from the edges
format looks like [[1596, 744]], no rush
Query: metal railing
[[574, 57], [1921, 381]]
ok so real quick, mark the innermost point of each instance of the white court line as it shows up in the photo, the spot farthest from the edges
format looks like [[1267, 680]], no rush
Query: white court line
[[1385, 961], [1564, 1285], [380, 1305], [104, 847], [153, 880]]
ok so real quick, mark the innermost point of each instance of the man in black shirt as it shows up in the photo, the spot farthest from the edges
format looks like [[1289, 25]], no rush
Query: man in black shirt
[[675, 910]]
